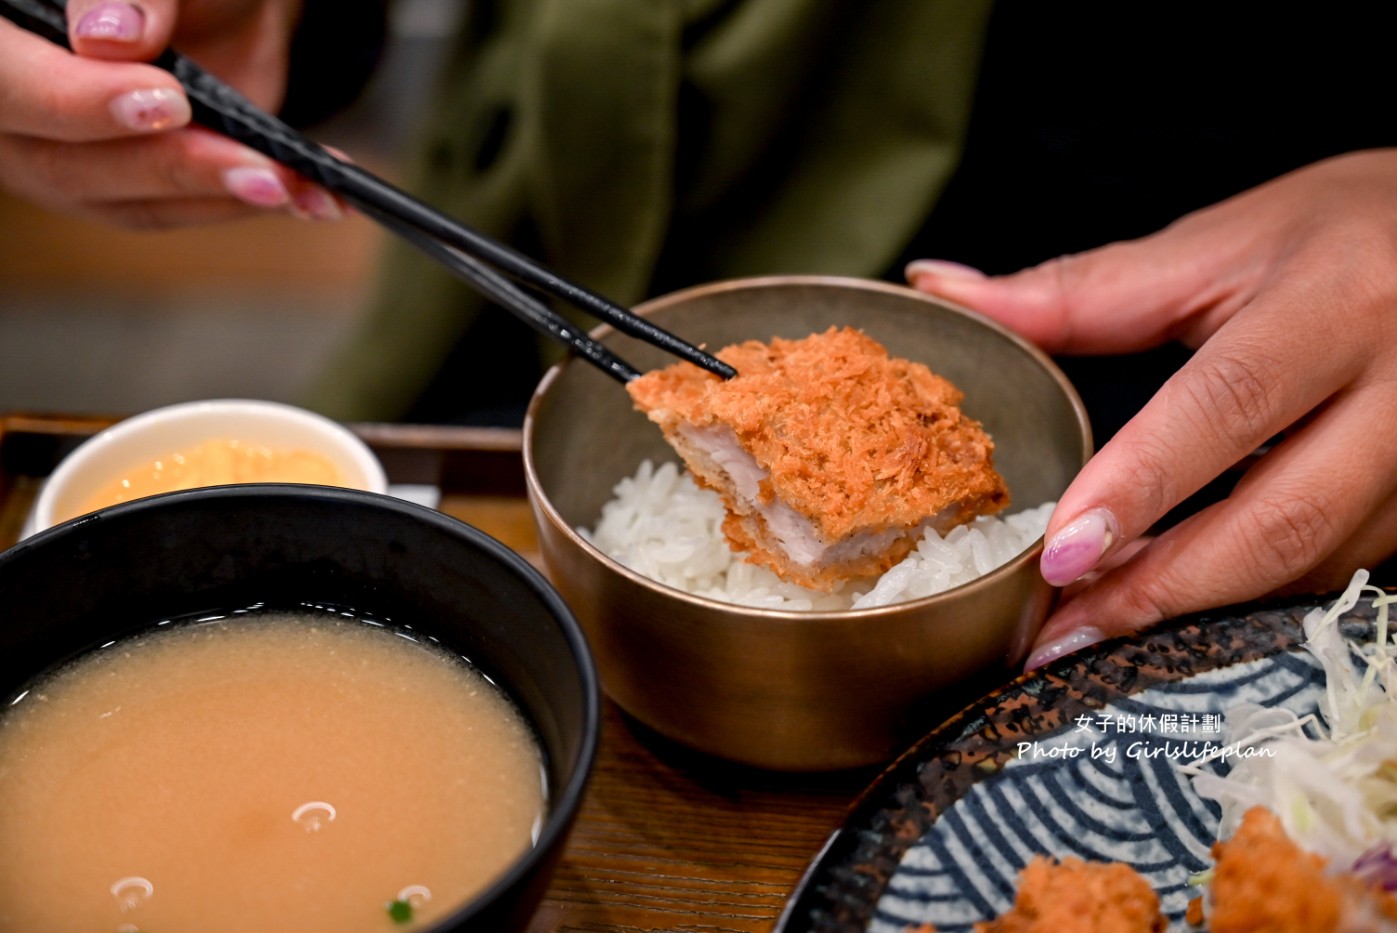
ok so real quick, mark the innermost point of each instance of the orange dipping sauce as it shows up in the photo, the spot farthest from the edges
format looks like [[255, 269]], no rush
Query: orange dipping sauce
[[218, 462]]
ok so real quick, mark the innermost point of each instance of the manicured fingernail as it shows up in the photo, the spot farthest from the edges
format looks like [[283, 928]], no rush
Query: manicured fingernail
[[1077, 638], [151, 110], [114, 22], [257, 186], [316, 204], [942, 269], [1078, 547]]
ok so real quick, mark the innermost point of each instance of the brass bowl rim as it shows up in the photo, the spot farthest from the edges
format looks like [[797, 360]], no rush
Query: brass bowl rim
[[792, 616]]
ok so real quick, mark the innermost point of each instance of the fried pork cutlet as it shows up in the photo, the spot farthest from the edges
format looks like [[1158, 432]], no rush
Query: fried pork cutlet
[[1075, 896], [831, 457], [1264, 881]]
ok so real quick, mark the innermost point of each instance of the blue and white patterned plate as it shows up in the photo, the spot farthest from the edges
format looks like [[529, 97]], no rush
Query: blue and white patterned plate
[[1079, 758]]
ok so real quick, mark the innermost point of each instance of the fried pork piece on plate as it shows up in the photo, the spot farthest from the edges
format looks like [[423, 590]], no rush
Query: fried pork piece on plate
[[1265, 881], [831, 456], [1075, 896]]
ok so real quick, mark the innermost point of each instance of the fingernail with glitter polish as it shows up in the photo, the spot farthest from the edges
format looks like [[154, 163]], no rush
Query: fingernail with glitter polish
[[1073, 640], [151, 110], [112, 22], [941, 269], [257, 186], [1078, 547]]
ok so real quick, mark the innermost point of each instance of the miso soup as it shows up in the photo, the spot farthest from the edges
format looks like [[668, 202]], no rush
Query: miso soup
[[261, 772]]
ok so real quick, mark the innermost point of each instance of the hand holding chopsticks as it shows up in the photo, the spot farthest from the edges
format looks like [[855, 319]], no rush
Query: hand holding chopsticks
[[497, 271]]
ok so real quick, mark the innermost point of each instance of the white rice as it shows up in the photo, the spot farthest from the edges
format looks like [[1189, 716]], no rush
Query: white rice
[[662, 525]]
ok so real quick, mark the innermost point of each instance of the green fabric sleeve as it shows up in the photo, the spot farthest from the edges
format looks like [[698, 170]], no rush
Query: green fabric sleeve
[[641, 145]]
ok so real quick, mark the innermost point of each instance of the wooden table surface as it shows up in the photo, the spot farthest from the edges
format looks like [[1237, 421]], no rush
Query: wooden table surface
[[666, 840]]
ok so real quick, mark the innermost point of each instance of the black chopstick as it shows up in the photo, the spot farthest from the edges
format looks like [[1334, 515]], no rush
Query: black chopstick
[[509, 295], [463, 250]]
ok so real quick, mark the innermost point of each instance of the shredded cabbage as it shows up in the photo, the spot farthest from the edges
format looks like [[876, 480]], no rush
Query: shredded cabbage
[[1331, 779]]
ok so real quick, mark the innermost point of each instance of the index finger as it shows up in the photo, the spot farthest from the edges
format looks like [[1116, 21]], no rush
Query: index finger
[[1256, 376], [48, 92]]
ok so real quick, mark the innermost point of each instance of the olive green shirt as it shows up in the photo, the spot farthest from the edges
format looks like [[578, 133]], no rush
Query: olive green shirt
[[638, 146]]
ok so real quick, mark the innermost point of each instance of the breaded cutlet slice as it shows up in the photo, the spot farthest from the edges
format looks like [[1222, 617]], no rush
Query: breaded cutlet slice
[[1076, 896], [1263, 880], [831, 456]]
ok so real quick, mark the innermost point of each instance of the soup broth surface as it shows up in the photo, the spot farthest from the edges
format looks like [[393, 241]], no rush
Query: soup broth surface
[[269, 772], [216, 462]]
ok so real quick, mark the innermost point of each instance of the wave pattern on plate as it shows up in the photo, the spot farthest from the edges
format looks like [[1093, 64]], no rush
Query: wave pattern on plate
[[1106, 788]]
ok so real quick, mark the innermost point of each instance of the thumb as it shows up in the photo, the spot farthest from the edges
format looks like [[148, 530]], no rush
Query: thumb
[[117, 30], [1120, 298]]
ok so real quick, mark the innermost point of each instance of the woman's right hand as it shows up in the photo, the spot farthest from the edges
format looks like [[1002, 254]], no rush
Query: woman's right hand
[[99, 133]]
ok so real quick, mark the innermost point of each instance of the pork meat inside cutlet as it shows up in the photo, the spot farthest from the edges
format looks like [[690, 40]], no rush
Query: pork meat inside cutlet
[[831, 456]]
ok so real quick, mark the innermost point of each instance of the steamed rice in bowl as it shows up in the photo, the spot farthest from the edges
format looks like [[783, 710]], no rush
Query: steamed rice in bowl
[[662, 525], [786, 688]]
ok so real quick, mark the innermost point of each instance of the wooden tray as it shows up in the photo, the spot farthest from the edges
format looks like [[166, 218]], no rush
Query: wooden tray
[[666, 840]]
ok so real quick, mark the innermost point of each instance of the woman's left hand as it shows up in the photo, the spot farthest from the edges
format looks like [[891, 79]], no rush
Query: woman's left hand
[[1288, 292]]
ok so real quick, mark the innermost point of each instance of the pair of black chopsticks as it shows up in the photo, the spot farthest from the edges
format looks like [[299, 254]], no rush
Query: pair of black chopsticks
[[491, 267]]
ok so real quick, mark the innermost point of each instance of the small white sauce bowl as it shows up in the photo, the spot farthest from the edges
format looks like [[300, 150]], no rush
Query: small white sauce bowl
[[162, 431]]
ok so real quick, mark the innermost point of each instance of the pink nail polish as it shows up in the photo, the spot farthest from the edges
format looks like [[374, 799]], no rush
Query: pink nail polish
[[151, 110], [1078, 547], [317, 204], [1072, 641], [112, 21], [941, 269], [257, 186]]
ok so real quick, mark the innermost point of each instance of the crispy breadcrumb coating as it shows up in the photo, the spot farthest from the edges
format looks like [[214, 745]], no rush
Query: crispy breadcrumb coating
[[1265, 881], [867, 448], [1076, 896]]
